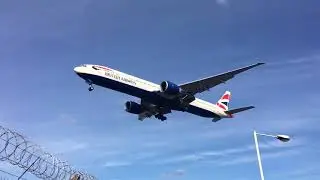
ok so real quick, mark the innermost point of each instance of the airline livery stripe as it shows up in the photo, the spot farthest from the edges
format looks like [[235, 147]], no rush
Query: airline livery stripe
[[221, 106]]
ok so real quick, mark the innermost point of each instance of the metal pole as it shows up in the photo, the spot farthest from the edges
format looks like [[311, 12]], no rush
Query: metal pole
[[28, 168], [258, 154], [269, 135]]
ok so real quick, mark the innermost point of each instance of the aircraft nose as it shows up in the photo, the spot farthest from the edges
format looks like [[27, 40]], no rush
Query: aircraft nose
[[76, 69]]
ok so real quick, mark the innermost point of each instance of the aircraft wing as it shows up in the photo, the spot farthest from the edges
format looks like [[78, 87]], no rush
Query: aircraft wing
[[205, 84]]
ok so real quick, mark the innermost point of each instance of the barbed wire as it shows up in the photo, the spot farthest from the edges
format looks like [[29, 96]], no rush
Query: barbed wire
[[15, 149]]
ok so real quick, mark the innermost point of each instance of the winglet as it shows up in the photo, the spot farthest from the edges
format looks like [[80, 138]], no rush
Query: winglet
[[254, 65], [260, 63]]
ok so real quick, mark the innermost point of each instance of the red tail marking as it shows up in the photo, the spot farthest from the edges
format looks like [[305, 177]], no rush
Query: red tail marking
[[227, 96]]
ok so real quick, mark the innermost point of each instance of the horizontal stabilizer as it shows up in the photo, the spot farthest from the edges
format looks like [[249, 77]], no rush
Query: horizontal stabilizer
[[234, 111]]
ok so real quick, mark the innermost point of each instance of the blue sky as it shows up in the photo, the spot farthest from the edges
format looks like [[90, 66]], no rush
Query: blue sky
[[177, 40]]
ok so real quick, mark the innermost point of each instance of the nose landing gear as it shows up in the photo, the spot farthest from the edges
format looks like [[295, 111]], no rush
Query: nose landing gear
[[90, 85]]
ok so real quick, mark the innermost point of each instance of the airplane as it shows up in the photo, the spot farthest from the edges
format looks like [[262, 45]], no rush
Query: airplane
[[160, 99]]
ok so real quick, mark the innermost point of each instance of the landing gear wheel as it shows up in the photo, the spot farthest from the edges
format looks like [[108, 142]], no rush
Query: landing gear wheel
[[161, 117], [90, 88]]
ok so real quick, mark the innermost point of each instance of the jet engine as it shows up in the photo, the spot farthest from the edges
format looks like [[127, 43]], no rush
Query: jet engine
[[133, 107], [170, 88]]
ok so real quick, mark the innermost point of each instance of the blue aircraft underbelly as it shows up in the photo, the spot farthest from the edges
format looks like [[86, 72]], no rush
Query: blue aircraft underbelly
[[140, 93]]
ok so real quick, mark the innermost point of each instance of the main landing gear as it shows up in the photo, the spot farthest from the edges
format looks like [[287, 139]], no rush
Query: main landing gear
[[160, 117]]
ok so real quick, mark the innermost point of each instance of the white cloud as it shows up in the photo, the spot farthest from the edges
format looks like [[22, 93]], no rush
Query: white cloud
[[157, 144], [297, 61], [222, 2], [67, 118], [145, 155], [303, 171], [116, 164], [219, 134], [178, 172], [65, 146], [252, 157], [226, 153]]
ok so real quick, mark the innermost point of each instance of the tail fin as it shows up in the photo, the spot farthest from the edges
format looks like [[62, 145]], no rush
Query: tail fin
[[223, 102]]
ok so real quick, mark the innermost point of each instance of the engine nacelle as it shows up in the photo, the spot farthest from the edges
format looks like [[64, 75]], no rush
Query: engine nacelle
[[170, 88], [133, 107]]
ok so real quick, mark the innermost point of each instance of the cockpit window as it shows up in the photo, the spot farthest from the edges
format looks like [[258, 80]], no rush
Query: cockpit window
[[83, 65], [94, 67]]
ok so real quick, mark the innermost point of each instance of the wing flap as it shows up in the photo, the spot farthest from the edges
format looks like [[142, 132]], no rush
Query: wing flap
[[205, 84]]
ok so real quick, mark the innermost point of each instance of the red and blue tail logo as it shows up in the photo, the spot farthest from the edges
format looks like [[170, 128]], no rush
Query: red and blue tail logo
[[223, 102]]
